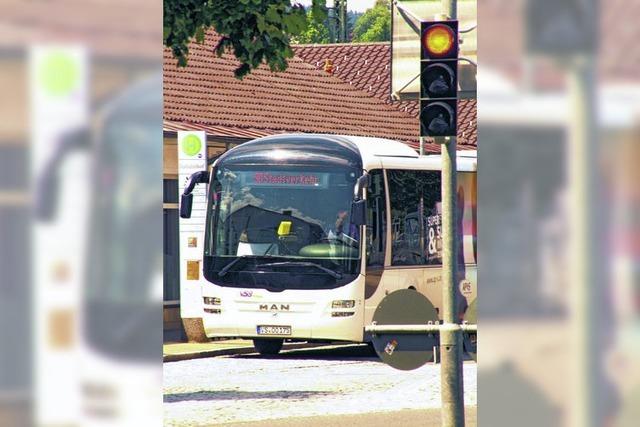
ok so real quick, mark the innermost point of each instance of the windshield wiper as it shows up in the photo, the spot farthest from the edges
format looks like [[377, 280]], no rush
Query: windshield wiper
[[224, 270], [330, 272]]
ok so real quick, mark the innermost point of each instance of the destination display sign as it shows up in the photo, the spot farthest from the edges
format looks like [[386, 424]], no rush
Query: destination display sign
[[319, 180]]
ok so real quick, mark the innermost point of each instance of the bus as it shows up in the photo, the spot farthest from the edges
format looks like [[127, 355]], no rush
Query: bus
[[306, 234], [119, 309]]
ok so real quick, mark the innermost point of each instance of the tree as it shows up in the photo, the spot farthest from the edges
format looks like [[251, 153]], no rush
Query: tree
[[316, 32], [323, 32], [374, 25], [254, 31], [352, 18]]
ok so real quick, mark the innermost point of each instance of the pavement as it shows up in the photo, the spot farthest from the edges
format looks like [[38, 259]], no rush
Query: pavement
[[407, 417], [321, 386], [174, 352]]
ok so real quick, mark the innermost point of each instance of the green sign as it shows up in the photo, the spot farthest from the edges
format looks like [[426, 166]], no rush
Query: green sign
[[191, 145], [59, 73]]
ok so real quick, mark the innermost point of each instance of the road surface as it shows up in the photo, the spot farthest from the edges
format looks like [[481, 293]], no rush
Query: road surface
[[314, 387]]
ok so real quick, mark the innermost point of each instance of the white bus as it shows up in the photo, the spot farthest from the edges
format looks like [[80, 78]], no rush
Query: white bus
[[119, 309], [306, 234]]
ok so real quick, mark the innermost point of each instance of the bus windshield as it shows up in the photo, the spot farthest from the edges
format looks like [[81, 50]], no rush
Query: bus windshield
[[124, 278], [287, 228]]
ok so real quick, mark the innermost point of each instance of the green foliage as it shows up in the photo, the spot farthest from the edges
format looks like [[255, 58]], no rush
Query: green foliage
[[255, 31], [374, 25], [352, 18], [316, 32]]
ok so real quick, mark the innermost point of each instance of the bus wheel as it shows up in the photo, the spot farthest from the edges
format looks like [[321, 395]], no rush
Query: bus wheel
[[268, 347], [372, 349]]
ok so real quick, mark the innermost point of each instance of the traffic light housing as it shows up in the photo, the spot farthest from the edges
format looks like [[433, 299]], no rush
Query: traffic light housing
[[439, 48]]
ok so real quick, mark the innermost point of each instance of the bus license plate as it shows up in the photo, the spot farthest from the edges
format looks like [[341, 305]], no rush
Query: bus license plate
[[274, 330]]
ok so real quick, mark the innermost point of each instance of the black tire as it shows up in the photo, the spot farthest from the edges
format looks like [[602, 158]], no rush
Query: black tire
[[372, 349], [268, 347]]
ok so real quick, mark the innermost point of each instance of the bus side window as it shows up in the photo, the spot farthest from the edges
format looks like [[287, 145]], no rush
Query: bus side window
[[467, 202], [416, 217], [376, 220]]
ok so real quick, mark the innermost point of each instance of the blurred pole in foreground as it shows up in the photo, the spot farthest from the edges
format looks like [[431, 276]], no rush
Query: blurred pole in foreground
[[583, 185], [585, 264], [567, 32]]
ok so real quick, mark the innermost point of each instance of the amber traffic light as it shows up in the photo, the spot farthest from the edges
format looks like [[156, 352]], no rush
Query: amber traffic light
[[439, 78], [439, 40]]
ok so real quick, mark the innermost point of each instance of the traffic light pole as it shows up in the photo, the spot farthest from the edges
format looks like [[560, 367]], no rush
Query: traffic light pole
[[451, 334]]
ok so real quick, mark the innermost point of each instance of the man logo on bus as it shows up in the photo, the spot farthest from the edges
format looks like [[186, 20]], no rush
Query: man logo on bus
[[274, 307]]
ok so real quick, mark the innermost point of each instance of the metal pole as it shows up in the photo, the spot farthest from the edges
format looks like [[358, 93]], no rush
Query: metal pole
[[343, 21], [449, 8], [451, 334], [333, 24], [584, 263], [449, 246], [451, 374], [416, 329]]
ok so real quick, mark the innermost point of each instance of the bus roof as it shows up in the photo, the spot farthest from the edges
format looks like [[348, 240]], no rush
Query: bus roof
[[385, 153]]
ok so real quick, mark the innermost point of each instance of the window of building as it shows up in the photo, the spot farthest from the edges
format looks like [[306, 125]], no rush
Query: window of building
[[171, 246]]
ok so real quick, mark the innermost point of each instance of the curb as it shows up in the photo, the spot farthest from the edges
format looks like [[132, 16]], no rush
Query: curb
[[229, 352]]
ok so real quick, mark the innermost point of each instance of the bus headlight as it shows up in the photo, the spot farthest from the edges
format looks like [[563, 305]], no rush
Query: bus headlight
[[345, 303], [212, 300]]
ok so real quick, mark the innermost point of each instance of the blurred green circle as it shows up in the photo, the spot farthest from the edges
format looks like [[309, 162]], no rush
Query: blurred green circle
[[191, 145], [59, 73]]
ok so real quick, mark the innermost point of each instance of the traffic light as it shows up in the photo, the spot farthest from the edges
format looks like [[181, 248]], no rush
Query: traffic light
[[439, 78]]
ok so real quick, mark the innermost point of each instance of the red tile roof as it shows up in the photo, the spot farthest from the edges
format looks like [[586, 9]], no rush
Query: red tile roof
[[221, 131], [109, 29], [503, 41], [619, 53], [304, 98], [366, 66]]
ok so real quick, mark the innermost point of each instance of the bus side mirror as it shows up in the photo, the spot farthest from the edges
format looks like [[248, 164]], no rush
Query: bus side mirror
[[359, 212], [361, 184], [46, 197], [47, 183], [186, 201]]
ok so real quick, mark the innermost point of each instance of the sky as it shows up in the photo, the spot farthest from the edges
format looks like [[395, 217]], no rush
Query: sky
[[355, 5]]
